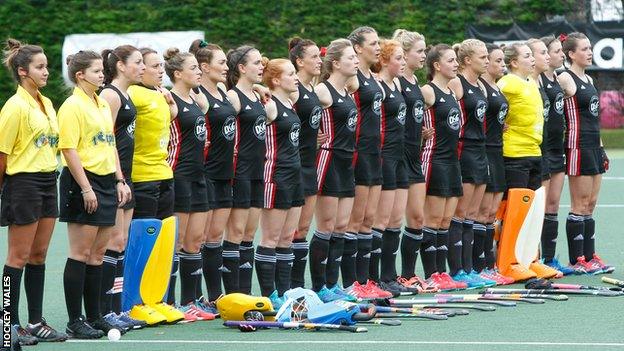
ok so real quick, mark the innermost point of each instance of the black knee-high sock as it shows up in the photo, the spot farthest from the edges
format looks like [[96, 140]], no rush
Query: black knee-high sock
[[478, 255], [283, 269], [172, 280], [118, 284], [92, 290], [589, 236], [488, 246], [34, 280], [362, 261], [442, 239], [549, 236], [212, 263], [467, 243], [231, 267], [265, 269], [15, 275], [334, 259], [73, 283], [109, 270], [245, 270], [319, 249], [190, 269], [575, 227], [349, 257], [375, 257], [455, 246], [300, 251], [410, 244], [389, 249], [428, 251]]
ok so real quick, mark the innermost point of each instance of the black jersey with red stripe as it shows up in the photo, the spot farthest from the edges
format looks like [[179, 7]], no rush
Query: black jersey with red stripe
[[393, 114], [554, 127], [282, 162], [495, 116], [415, 112], [444, 117], [309, 110], [473, 107], [187, 141], [368, 99], [221, 129], [339, 122], [124, 131], [249, 138], [546, 114], [582, 112]]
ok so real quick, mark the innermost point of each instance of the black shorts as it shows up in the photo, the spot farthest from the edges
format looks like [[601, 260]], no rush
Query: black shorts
[[248, 193], [335, 173], [367, 169], [523, 172], [413, 166], [584, 162], [545, 167], [497, 182], [283, 196], [154, 199], [474, 164], [556, 161], [309, 180], [394, 174], [219, 193], [443, 179], [190, 195], [27, 197], [72, 203]]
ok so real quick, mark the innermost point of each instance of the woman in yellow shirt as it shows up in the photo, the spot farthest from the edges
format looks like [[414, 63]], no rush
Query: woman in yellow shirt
[[28, 141], [91, 189]]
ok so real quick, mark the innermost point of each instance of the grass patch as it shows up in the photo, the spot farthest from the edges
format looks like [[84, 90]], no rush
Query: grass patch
[[613, 138]]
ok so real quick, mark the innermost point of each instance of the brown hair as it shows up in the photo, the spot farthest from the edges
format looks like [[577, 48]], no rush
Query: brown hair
[[388, 47], [549, 39], [18, 55], [111, 57], [492, 47], [79, 62], [203, 51], [407, 38], [466, 49], [435, 55], [357, 36], [334, 53], [273, 69], [296, 49], [174, 61], [147, 51], [571, 42], [236, 57]]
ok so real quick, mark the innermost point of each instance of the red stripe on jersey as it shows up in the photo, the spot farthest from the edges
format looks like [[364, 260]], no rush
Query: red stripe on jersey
[[208, 137], [270, 156], [430, 144], [236, 145], [327, 126], [360, 117], [323, 159], [175, 142], [573, 122], [383, 126]]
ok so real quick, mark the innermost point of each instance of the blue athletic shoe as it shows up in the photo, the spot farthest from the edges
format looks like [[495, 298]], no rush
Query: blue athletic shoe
[[487, 282], [338, 290], [558, 266], [327, 295], [276, 300], [472, 283]]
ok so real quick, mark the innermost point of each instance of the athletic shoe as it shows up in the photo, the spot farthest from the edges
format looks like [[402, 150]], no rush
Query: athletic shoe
[[554, 263], [276, 300], [359, 291], [327, 295], [80, 329], [189, 315], [463, 277], [209, 307], [397, 288], [24, 337], [544, 271], [105, 326], [442, 281], [114, 320], [338, 290], [147, 314], [134, 323], [372, 286], [518, 273], [583, 267], [494, 275], [196, 311], [171, 313], [43, 332], [487, 282], [418, 283], [597, 263]]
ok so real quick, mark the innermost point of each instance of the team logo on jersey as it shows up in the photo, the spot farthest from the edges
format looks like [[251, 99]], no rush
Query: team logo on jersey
[[481, 110], [130, 129], [352, 120], [46, 139], [200, 128], [546, 111], [559, 103], [502, 113], [101, 137], [229, 128], [419, 111], [402, 113], [293, 135], [259, 127], [453, 119], [315, 117], [594, 106], [377, 104]]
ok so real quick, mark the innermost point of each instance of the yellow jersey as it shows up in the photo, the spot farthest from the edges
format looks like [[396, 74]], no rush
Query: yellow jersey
[[88, 127], [29, 136], [151, 135], [525, 119]]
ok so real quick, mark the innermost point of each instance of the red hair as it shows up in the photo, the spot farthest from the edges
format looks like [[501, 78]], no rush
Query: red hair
[[388, 47], [273, 69]]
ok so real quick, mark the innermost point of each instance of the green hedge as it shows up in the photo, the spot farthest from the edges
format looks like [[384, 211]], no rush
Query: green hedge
[[267, 24], [612, 138]]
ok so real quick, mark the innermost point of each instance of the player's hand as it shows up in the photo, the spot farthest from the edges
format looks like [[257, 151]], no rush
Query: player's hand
[[123, 194], [167, 94], [427, 133], [264, 92], [90, 200], [505, 127], [321, 138], [605, 158]]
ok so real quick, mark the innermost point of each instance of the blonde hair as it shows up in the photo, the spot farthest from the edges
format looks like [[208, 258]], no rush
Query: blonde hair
[[406, 38], [512, 51], [334, 52], [466, 49]]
